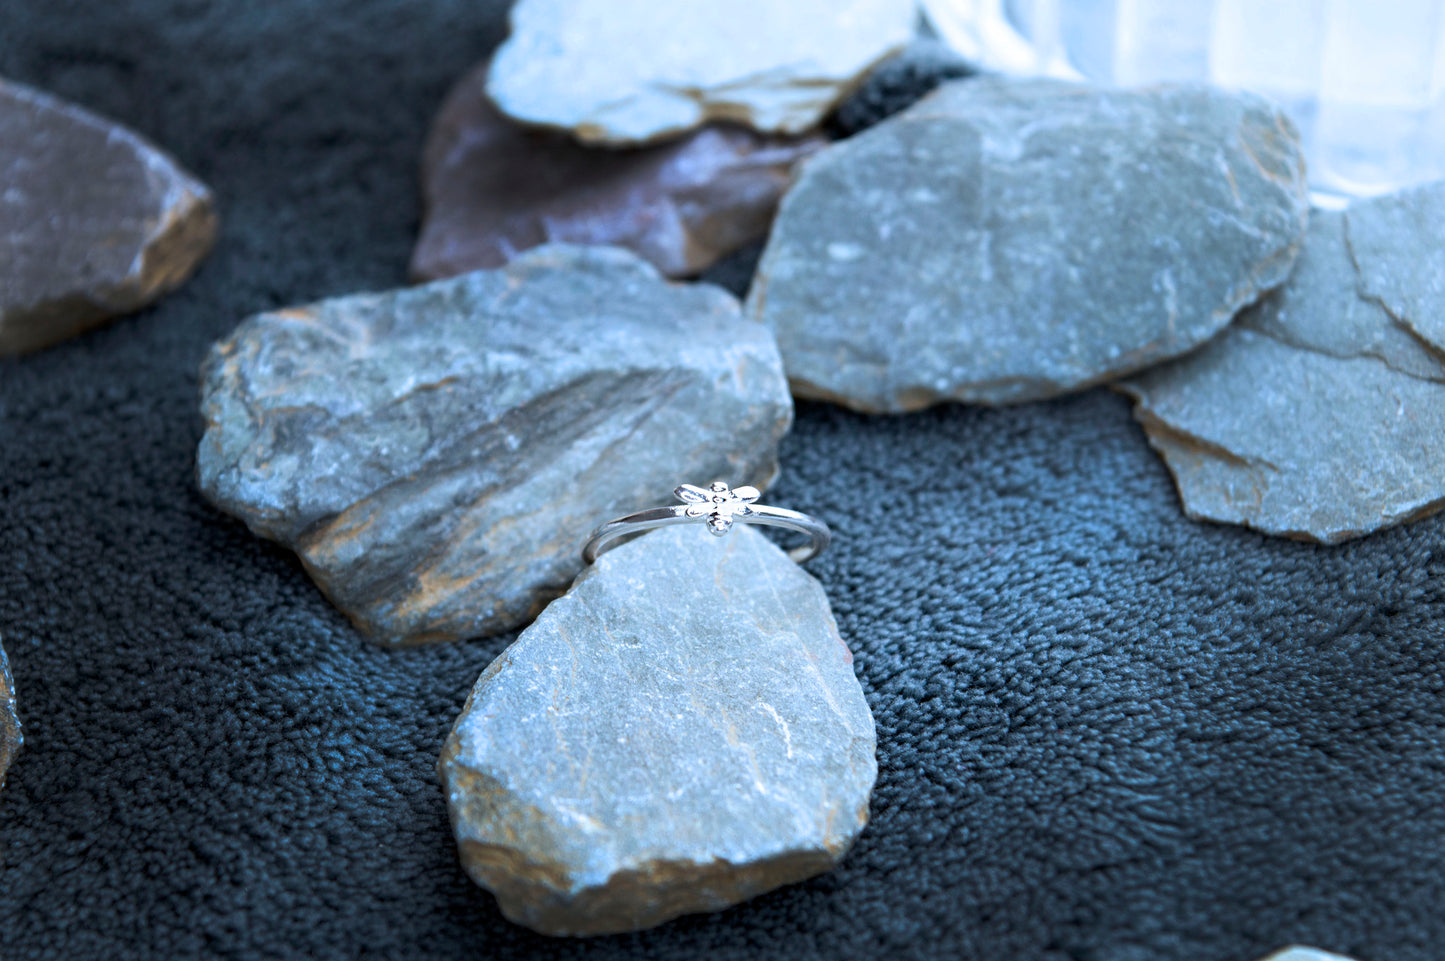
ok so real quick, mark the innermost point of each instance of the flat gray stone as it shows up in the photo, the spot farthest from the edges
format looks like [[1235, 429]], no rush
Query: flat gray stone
[[10, 736], [94, 220], [626, 72], [1006, 240], [681, 731], [494, 189], [1398, 242], [438, 455], [1317, 416]]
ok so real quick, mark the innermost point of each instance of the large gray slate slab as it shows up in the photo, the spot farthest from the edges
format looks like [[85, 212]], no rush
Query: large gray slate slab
[[681, 731], [494, 189], [94, 220], [10, 736], [1005, 240], [437, 455], [1318, 415], [625, 72]]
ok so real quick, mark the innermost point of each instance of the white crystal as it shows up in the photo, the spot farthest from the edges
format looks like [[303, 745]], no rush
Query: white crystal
[[1363, 79]]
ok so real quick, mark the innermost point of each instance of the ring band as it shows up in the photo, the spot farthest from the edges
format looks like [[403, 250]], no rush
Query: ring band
[[719, 507]]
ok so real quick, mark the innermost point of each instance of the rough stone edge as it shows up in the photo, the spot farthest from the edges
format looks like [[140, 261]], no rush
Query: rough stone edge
[[707, 111], [1370, 294], [438, 137], [10, 724], [544, 875], [1269, 273], [1173, 443], [557, 910], [1168, 441], [611, 257], [187, 232]]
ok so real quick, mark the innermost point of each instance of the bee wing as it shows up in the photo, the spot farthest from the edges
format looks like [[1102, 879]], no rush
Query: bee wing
[[692, 494]]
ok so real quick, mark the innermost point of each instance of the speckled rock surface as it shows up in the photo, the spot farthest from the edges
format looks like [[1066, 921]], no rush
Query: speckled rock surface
[[1004, 241], [10, 736], [681, 731], [494, 189], [1398, 245], [893, 85], [626, 72], [94, 220], [437, 455], [1318, 415]]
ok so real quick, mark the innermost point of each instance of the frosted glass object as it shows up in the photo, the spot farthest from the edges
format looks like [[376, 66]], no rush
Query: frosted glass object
[[1363, 79]]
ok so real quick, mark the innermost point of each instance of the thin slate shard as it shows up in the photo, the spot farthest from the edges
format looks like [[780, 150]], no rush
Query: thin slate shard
[[1319, 415], [681, 731], [10, 735], [494, 189], [774, 67], [438, 455], [1003, 241], [1398, 243], [95, 221]]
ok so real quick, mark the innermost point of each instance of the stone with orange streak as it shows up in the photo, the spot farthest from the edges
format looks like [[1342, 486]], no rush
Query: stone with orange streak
[[437, 455]]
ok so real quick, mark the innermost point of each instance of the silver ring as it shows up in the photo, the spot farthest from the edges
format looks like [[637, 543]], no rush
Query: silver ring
[[719, 507]]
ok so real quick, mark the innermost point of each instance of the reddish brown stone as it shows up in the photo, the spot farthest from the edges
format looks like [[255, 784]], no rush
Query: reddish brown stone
[[94, 220], [494, 189]]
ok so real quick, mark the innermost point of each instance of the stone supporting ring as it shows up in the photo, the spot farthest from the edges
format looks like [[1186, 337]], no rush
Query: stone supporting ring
[[719, 507]]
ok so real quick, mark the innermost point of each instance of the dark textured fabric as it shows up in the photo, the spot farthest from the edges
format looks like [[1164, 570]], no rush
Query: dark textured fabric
[[1106, 733]]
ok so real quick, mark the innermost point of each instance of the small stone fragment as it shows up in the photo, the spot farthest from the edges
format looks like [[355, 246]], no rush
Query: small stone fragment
[[94, 220], [627, 72], [1005, 241], [438, 455], [10, 736], [494, 189], [1398, 242], [1318, 415], [681, 731]]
